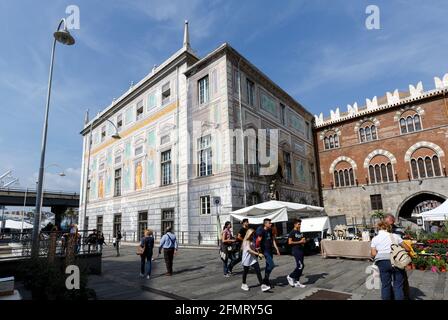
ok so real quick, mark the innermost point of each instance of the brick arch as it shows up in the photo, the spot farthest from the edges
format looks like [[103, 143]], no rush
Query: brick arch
[[418, 110], [342, 158], [359, 123], [376, 152], [332, 129], [426, 144]]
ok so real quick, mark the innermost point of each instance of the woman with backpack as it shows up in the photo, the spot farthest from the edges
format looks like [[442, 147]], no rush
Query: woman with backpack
[[249, 259], [147, 245], [392, 277], [226, 247]]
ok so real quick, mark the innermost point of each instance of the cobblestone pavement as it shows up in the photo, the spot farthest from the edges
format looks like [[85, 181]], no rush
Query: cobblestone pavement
[[198, 274]]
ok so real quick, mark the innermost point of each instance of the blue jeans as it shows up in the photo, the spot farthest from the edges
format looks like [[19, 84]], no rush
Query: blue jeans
[[146, 266], [269, 266], [298, 255], [229, 263], [389, 275]]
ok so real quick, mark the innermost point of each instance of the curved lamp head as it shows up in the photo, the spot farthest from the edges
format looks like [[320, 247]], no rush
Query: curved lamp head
[[64, 37], [62, 174], [116, 136]]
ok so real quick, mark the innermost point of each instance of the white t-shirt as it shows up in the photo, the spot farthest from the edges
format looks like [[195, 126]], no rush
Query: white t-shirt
[[248, 259], [382, 243]]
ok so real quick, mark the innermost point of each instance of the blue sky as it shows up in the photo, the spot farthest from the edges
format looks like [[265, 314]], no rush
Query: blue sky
[[318, 51]]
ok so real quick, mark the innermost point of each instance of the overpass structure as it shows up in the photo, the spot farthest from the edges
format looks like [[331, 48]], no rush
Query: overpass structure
[[58, 201]]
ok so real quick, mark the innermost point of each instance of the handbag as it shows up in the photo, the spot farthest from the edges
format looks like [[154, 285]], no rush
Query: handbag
[[399, 258], [140, 249]]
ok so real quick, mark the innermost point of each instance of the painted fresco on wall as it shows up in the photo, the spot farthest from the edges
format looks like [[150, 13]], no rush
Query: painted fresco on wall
[[109, 157], [101, 187], [93, 189], [108, 183], [127, 150], [138, 176], [151, 156], [268, 104], [129, 115], [126, 178], [296, 122], [300, 171]]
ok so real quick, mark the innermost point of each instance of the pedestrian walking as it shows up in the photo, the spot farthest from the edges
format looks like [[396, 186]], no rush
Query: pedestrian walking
[[389, 219], [265, 244], [100, 241], [392, 278], [227, 247], [238, 253], [117, 242], [147, 244], [296, 241], [249, 259], [169, 245]]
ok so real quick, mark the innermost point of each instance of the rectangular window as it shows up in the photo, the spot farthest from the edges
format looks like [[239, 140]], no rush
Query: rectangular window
[[308, 130], [152, 102], [166, 167], [288, 171], [250, 92], [139, 113], [166, 93], [118, 159], [117, 184], [99, 223], [204, 156], [117, 224], [138, 151], [103, 133], [203, 86], [376, 202], [167, 219], [236, 82], [142, 223], [119, 122], [283, 113], [205, 205]]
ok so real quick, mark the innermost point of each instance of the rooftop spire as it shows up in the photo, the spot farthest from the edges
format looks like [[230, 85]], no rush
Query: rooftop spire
[[86, 117], [186, 36]]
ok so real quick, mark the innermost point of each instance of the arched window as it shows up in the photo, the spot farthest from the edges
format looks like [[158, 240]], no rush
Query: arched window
[[429, 169], [436, 164], [390, 173], [326, 144], [341, 178], [368, 136], [373, 128], [384, 173], [403, 126], [336, 141], [331, 142], [372, 174], [346, 178], [417, 123], [361, 135], [414, 169], [352, 177], [377, 174], [421, 168], [336, 179], [410, 124]]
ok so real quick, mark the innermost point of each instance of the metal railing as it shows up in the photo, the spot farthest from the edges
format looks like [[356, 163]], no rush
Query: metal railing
[[46, 192], [196, 238], [15, 245]]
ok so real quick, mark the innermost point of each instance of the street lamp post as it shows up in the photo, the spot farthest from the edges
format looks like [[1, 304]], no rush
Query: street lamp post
[[64, 37], [116, 135]]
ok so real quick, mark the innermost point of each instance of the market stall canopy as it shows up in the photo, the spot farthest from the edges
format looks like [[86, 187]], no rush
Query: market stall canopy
[[317, 224], [277, 211], [13, 224], [437, 214]]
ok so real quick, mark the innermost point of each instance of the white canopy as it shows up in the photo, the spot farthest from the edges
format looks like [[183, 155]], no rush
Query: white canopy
[[437, 214], [14, 224], [277, 211], [315, 224]]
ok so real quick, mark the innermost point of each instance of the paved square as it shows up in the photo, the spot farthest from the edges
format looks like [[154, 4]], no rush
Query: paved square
[[198, 274]]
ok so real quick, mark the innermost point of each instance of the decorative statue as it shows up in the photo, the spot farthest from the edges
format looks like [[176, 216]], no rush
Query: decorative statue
[[138, 176]]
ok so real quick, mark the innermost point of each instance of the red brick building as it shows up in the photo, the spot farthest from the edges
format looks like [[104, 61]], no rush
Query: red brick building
[[389, 155]]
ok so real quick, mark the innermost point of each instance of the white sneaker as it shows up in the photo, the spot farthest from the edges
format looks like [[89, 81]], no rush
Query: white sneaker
[[147, 277], [265, 288], [141, 275], [299, 285], [290, 281], [245, 287]]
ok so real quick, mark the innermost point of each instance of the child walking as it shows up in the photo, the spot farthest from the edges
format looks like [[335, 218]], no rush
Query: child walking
[[249, 259]]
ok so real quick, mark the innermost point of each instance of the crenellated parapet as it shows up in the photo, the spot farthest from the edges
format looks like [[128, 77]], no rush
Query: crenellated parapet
[[391, 99]]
